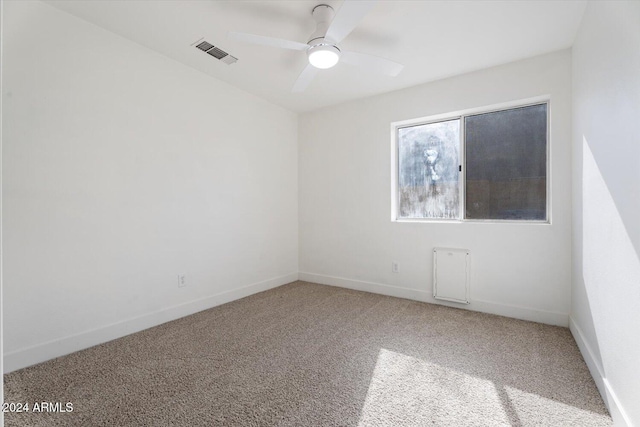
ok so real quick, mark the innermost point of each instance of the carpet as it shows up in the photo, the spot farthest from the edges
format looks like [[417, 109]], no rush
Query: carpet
[[312, 355]]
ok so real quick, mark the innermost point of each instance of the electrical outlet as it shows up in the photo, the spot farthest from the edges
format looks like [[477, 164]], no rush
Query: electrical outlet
[[182, 280], [395, 268]]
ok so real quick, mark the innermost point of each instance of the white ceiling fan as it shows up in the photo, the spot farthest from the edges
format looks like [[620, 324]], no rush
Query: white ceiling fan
[[322, 47]]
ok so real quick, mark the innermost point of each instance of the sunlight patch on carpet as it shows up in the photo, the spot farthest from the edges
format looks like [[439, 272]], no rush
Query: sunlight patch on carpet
[[404, 389]]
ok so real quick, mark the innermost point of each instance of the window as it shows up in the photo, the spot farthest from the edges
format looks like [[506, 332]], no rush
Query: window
[[502, 172], [428, 178]]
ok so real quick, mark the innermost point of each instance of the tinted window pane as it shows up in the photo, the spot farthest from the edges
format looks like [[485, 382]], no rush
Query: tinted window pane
[[428, 160], [506, 164]]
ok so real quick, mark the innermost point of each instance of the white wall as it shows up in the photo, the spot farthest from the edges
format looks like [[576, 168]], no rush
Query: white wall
[[606, 195], [122, 169], [348, 239]]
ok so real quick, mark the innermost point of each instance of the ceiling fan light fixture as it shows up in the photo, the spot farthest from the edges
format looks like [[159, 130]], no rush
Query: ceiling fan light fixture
[[323, 56]]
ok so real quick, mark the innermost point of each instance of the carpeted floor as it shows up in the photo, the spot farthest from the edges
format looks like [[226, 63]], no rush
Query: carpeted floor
[[312, 355]]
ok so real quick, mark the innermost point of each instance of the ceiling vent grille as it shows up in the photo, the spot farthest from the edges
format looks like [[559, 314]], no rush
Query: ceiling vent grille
[[216, 52]]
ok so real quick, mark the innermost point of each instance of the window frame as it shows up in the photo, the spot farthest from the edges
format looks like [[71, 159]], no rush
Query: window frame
[[460, 115]]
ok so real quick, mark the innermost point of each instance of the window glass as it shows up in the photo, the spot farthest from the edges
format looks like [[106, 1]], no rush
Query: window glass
[[428, 176], [506, 164]]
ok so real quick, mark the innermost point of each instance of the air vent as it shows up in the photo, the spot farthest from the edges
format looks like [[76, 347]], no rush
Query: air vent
[[216, 52], [205, 46], [229, 59]]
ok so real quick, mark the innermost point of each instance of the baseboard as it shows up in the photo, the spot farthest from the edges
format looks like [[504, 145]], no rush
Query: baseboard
[[523, 313], [597, 372], [36, 354], [610, 398]]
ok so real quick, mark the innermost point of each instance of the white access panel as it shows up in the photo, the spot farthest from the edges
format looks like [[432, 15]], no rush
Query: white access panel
[[451, 274]]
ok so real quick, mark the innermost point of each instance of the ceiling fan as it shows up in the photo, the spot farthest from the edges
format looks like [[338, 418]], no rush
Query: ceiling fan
[[322, 47]]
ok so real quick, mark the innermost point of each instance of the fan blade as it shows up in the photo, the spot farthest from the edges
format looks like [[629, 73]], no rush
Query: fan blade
[[349, 15], [267, 41], [304, 78], [372, 63]]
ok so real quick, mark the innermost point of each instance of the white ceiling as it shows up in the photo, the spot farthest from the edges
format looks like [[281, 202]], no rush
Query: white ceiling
[[433, 39]]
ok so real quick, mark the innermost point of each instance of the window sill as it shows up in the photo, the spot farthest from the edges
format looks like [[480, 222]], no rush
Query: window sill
[[470, 221]]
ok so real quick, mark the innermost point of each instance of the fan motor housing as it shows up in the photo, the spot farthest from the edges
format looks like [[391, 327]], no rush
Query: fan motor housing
[[323, 15]]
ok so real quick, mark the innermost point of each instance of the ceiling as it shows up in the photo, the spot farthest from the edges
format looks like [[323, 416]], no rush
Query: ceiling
[[433, 39]]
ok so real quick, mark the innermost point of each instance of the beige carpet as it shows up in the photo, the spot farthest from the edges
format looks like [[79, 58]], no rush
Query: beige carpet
[[313, 355]]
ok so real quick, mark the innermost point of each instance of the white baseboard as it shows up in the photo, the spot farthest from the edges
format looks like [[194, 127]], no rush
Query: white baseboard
[[36, 354], [616, 410], [589, 356], [523, 313]]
